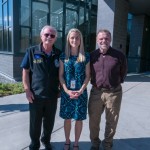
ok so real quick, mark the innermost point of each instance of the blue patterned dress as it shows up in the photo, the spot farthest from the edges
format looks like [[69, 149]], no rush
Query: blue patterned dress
[[74, 108]]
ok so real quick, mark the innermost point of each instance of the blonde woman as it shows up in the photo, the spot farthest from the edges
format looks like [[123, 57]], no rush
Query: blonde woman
[[74, 75]]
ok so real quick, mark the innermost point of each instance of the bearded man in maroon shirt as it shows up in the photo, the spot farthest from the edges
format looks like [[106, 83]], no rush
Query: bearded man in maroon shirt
[[108, 71]]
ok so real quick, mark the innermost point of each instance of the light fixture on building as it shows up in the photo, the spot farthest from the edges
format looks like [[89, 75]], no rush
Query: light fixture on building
[[146, 29]]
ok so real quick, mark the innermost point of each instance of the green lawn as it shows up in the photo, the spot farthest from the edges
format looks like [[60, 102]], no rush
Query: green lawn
[[11, 88]]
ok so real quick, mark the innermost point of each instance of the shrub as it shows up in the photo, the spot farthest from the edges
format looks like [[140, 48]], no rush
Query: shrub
[[11, 88]]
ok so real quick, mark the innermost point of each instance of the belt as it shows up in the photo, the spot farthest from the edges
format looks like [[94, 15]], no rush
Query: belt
[[104, 89]]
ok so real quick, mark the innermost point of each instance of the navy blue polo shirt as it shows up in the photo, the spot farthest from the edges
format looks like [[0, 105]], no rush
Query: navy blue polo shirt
[[44, 80]]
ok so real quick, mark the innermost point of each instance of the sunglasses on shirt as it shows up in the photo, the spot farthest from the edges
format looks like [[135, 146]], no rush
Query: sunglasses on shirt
[[51, 35]]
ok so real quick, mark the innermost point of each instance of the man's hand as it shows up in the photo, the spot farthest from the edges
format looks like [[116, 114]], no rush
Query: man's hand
[[29, 96]]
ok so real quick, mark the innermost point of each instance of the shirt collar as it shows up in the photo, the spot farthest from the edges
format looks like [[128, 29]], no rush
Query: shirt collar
[[108, 51], [52, 53]]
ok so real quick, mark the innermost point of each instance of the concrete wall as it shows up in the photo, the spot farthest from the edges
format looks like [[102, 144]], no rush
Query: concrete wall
[[120, 25], [17, 69], [10, 67], [105, 15], [112, 15], [6, 64]]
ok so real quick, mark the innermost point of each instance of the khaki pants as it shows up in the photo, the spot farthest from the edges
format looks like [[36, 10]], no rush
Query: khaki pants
[[100, 100]]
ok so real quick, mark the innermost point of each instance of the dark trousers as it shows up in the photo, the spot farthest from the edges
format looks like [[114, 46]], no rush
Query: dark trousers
[[42, 112]]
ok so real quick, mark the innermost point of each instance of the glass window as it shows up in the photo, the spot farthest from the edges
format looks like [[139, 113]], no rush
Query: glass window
[[39, 19], [4, 1], [58, 42], [5, 40], [63, 15], [72, 14], [0, 13], [1, 26], [25, 38], [1, 33], [10, 12], [73, 3], [34, 15], [10, 40], [5, 24], [5, 15], [46, 1], [129, 22], [1, 39], [56, 12], [81, 14], [25, 12], [40, 12], [71, 19], [95, 2]]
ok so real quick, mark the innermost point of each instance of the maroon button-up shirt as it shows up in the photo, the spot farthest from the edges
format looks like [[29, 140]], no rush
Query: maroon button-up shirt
[[107, 70]]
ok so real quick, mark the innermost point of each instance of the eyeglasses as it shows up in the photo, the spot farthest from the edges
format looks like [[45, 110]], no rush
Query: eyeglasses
[[51, 35]]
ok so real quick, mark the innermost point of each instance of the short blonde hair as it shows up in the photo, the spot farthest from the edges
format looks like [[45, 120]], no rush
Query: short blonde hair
[[81, 54]]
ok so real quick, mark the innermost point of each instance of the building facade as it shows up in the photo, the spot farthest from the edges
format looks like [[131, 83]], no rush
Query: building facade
[[21, 22]]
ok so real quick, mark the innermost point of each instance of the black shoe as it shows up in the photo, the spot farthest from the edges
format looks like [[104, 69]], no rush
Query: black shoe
[[34, 146], [47, 145]]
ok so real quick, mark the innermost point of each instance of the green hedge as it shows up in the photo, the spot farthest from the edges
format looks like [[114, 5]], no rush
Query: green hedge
[[11, 88]]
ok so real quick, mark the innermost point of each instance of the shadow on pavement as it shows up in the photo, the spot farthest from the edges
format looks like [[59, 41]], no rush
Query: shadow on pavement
[[82, 145], [132, 144], [145, 77], [119, 144], [13, 107]]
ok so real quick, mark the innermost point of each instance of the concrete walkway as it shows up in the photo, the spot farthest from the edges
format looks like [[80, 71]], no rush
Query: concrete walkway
[[133, 131]]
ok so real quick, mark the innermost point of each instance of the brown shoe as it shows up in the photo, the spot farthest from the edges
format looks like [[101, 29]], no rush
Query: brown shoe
[[107, 146], [94, 147]]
